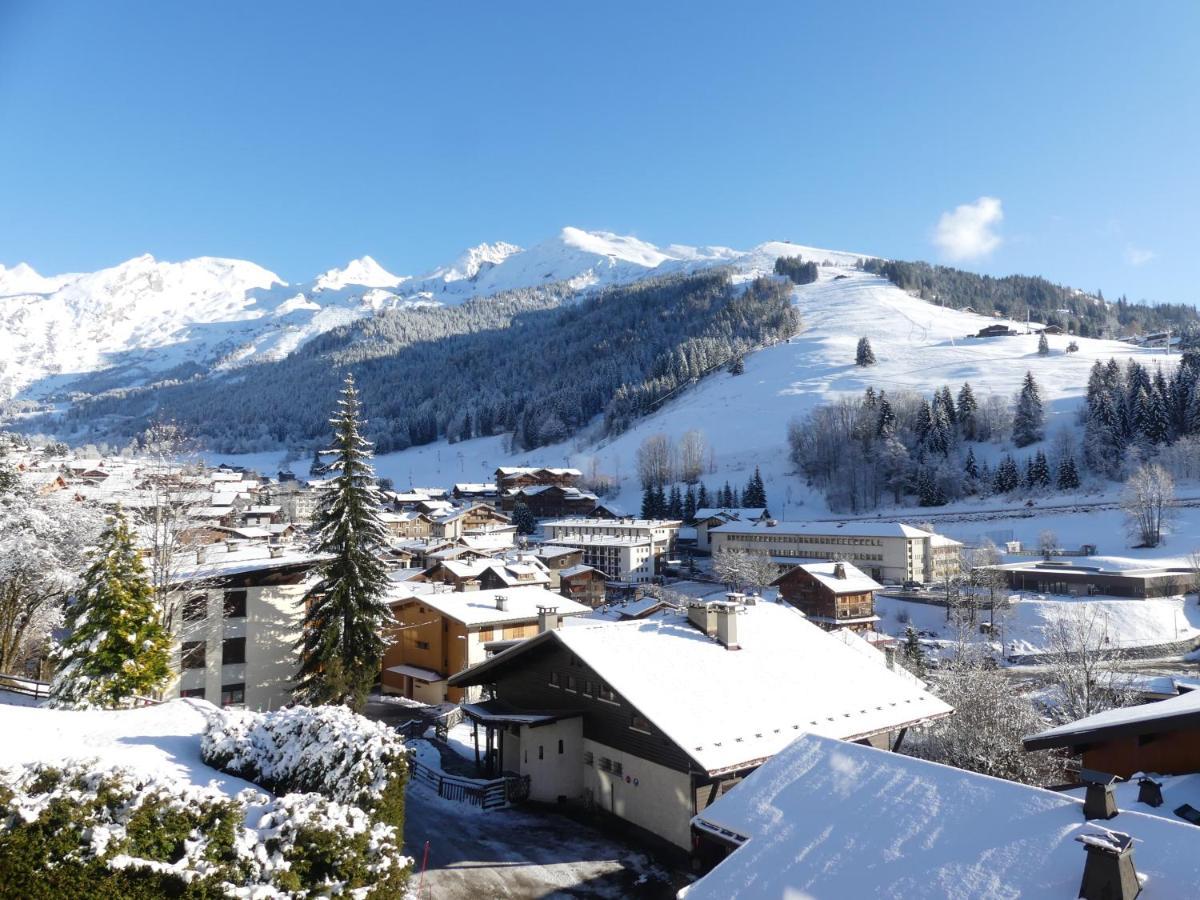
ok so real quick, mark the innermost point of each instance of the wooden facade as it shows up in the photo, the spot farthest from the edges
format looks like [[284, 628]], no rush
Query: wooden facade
[[587, 586], [854, 609]]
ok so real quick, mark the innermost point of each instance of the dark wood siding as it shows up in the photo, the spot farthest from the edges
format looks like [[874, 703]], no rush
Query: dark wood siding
[[527, 686]]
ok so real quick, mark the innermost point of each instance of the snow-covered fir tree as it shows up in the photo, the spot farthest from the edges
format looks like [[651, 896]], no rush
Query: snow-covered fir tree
[[1043, 345], [523, 518], [343, 640], [755, 495], [1028, 417], [864, 355], [967, 409], [1068, 476], [115, 648]]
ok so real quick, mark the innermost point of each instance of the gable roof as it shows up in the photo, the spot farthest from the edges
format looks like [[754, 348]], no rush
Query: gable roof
[[728, 709], [849, 529], [855, 582], [825, 818], [1148, 718], [479, 607]]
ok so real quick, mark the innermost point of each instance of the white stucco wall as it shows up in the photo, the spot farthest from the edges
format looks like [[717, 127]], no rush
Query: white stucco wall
[[552, 774], [649, 795]]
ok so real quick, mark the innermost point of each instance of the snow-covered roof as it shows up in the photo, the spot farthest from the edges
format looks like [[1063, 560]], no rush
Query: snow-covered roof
[[252, 558], [1161, 715], [572, 571], [730, 512], [533, 470], [826, 818], [852, 529], [609, 524], [475, 487], [549, 551], [855, 581], [479, 607], [728, 709]]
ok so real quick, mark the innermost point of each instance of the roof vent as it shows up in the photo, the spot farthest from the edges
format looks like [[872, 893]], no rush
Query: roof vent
[[501, 602], [275, 551], [1149, 791], [1099, 802], [1109, 873], [771, 523], [702, 616], [547, 618], [726, 614], [839, 570]]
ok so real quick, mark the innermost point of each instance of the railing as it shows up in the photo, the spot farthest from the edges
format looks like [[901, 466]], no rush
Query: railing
[[494, 794], [39, 690]]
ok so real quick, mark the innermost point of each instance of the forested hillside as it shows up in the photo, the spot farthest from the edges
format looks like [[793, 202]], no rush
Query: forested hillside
[[535, 363], [1015, 296]]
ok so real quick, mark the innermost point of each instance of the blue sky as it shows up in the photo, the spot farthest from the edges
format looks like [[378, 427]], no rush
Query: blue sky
[[301, 135]]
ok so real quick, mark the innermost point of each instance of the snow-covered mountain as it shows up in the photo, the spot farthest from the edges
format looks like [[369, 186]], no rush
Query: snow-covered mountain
[[145, 318]]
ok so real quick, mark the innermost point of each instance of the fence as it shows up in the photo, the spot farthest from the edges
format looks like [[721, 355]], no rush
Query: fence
[[494, 794], [31, 687]]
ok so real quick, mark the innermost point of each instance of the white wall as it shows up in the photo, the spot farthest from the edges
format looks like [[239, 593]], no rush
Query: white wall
[[554, 774], [660, 801]]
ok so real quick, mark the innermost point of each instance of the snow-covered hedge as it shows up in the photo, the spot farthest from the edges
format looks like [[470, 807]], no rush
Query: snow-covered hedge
[[327, 749], [88, 833]]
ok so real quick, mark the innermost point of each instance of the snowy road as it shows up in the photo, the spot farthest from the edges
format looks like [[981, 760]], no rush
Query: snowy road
[[508, 853]]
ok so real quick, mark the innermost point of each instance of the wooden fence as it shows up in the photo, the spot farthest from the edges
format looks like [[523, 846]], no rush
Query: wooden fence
[[494, 794], [17, 684]]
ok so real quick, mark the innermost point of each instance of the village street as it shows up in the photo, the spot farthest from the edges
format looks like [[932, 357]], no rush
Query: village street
[[511, 853]]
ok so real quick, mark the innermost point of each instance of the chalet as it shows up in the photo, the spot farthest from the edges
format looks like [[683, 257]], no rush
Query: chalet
[[651, 719], [997, 330], [407, 525], [583, 584], [1080, 580], [551, 500], [454, 523], [831, 594], [555, 559], [439, 633], [1162, 737], [885, 551], [824, 818], [511, 477], [630, 550], [1051, 329], [476, 492], [712, 517], [241, 614]]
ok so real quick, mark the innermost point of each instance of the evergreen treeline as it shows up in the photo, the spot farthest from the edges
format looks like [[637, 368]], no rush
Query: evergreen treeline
[[795, 268], [533, 363], [1132, 408], [1015, 296], [682, 503]]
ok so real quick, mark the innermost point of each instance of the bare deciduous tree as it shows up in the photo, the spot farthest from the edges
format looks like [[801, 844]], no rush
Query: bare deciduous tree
[[693, 450], [1083, 660], [743, 568], [1147, 500], [654, 460], [1047, 541]]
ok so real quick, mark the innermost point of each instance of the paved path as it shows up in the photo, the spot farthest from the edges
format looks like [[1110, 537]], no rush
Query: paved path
[[476, 855]]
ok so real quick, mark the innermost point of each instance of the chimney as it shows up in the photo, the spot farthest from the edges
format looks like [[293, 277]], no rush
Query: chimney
[[727, 625], [472, 584], [1099, 802], [701, 615], [735, 597], [1109, 873], [201, 555], [889, 655], [276, 552], [1149, 791], [547, 618], [501, 602], [839, 570]]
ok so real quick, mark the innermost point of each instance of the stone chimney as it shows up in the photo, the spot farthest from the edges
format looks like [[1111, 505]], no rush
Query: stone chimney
[[889, 655], [1109, 873], [501, 602], [1099, 802], [547, 618], [839, 570], [201, 555], [727, 625], [702, 616], [472, 584], [275, 552], [1149, 791]]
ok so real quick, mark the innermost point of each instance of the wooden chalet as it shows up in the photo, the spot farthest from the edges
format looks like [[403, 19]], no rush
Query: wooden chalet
[[831, 594], [550, 501], [583, 584]]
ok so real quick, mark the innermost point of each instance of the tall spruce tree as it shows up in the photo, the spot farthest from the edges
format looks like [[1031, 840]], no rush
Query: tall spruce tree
[[1007, 477], [115, 649], [523, 518], [689, 505], [864, 355], [1043, 345], [703, 501], [344, 626], [967, 409], [1068, 476], [648, 503], [1028, 418], [755, 495], [675, 503]]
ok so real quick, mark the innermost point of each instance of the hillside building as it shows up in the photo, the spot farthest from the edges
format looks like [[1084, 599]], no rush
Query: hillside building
[[831, 594], [629, 550]]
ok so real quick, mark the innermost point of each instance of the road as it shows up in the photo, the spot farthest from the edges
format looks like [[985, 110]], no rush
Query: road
[[476, 855]]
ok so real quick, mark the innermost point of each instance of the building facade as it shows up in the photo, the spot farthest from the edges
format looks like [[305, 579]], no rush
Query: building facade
[[629, 550]]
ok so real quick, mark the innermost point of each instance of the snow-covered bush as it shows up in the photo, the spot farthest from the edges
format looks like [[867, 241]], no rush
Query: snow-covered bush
[[88, 833], [327, 749]]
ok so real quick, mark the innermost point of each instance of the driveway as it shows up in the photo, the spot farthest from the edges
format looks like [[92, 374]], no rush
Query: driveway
[[476, 855]]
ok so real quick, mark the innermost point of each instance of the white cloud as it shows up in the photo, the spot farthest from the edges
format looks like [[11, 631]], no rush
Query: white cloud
[[1137, 256], [969, 231]]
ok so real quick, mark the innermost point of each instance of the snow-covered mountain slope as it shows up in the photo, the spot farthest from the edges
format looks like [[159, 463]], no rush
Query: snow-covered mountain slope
[[918, 346], [146, 317]]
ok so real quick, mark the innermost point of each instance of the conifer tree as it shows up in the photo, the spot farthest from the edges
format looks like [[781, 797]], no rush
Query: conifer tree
[[1029, 417], [967, 409], [1068, 476], [346, 616], [1007, 477], [689, 505], [660, 502], [755, 495], [523, 518], [924, 420], [886, 425], [738, 366], [947, 401], [116, 648], [317, 467], [675, 503], [1043, 345], [969, 466], [648, 502], [702, 498], [1038, 475], [914, 653], [864, 355]]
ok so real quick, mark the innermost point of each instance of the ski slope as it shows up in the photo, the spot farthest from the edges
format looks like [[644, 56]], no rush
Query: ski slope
[[918, 347]]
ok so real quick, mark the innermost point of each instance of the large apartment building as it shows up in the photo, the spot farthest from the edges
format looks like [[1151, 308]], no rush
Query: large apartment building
[[630, 550], [885, 551]]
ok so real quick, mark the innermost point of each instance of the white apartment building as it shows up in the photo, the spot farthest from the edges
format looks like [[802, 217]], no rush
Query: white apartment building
[[623, 549], [885, 551], [239, 619]]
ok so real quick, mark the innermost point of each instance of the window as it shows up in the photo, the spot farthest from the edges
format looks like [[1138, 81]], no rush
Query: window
[[588, 758], [639, 723], [605, 764], [233, 650], [560, 746], [541, 751], [233, 694], [555, 681], [617, 768], [192, 692], [195, 609], [422, 645], [191, 655], [235, 604], [604, 692], [572, 684]]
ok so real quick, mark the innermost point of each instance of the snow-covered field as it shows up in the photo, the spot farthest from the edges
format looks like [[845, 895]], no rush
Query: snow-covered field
[[159, 740]]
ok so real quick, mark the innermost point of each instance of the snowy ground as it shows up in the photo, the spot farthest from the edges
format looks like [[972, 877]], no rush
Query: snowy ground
[[164, 740]]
